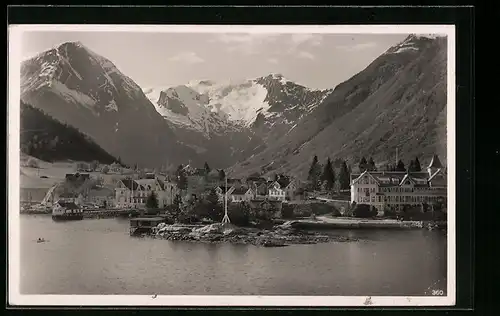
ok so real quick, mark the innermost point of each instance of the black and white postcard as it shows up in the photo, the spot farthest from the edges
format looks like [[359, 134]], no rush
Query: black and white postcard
[[231, 165]]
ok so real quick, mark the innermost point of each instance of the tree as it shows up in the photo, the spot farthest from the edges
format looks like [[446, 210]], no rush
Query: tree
[[182, 181], [212, 197], [400, 166], [152, 201], [239, 214], [418, 167], [314, 173], [362, 164], [94, 165], [328, 175], [222, 175], [207, 168], [344, 177], [105, 169], [371, 165], [177, 200]]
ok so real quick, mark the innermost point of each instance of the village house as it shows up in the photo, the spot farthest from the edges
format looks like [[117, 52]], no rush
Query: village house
[[77, 178], [134, 193], [288, 185], [240, 194], [71, 197], [66, 207], [275, 192], [101, 196], [271, 207], [394, 190]]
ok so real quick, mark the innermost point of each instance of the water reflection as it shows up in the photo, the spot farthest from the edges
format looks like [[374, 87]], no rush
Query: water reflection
[[99, 257]]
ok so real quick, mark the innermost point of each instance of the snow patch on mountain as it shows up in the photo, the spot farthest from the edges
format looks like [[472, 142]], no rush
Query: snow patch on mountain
[[240, 101], [184, 107], [70, 95], [412, 43]]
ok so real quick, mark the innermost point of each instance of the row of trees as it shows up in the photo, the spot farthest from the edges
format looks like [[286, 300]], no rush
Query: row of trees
[[181, 175], [324, 176], [414, 166]]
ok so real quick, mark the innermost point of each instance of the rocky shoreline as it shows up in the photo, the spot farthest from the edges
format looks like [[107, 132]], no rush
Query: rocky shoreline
[[279, 236]]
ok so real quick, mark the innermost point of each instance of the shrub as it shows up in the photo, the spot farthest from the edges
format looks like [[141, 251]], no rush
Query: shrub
[[364, 211], [239, 214], [287, 211], [323, 208]]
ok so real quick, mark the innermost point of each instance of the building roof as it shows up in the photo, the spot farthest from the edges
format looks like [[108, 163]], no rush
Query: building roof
[[233, 180], [77, 176], [256, 179], [438, 179], [284, 181], [240, 191], [271, 184], [68, 195], [144, 183], [101, 192], [223, 188], [68, 205], [161, 183], [395, 178], [435, 162], [130, 184]]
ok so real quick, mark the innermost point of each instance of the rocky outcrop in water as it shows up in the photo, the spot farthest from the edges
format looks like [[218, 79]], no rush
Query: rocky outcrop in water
[[280, 236]]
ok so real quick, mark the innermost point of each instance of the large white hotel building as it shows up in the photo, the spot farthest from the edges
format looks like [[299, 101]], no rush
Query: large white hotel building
[[393, 190]]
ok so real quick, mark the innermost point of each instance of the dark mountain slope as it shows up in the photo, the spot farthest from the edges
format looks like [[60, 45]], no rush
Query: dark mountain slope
[[47, 139]]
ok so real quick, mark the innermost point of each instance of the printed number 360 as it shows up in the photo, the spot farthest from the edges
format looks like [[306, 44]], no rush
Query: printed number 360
[[437, 292]]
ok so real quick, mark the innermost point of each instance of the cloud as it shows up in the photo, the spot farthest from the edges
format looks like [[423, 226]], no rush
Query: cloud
[[272, 60], [245, 43], [306, 55], [357, 47], [187, 57], [306, 38]]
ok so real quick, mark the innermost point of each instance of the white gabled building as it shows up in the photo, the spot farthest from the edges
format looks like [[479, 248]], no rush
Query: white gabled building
[[393, 189], [134, 193], [275, 192]]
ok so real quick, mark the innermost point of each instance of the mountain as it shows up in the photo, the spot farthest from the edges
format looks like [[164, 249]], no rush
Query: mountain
[[47, 139], [209, 133], [396, 102], [269, 105], [231, 121], [83, 89]]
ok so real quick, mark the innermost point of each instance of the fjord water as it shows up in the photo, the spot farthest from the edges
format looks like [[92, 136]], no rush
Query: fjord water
[[99, 257]]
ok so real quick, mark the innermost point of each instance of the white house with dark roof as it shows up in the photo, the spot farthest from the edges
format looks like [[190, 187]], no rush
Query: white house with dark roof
[[134, 193], [240, 194], [275, 191], [393, 189]]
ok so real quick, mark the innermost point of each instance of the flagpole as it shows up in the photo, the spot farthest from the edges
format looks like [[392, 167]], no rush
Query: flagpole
[[225, 219]]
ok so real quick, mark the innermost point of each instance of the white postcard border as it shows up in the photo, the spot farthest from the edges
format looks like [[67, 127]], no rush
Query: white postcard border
[[13, 146]]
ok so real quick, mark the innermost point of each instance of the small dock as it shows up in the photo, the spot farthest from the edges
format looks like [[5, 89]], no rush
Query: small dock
[[144, 225]]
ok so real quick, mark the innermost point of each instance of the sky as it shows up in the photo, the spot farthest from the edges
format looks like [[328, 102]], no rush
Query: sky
[[315, 60]]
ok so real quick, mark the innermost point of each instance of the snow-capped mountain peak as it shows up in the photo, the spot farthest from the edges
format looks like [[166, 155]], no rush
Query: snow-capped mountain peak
[[66, 68], [261, 104], [413, 43], [184, 107]]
